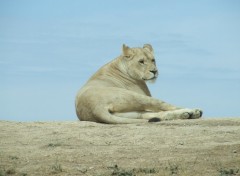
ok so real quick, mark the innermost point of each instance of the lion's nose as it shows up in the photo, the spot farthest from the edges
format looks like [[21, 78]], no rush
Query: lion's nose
[[153, 71]]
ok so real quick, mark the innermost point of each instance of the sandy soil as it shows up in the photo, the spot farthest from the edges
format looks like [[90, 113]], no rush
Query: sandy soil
[[183, 147]]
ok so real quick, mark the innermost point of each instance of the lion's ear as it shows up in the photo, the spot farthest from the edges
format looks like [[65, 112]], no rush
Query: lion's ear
[[127, 52], [148, 47]]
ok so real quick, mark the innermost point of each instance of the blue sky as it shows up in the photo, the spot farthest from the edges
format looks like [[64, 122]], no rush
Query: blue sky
[[49, 48]]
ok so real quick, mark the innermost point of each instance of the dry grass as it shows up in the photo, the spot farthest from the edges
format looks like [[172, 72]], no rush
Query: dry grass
[[183, 147]]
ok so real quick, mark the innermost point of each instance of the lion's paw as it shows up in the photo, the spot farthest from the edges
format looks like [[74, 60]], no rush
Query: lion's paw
[[197, 113], [186, 115], [190, 113]]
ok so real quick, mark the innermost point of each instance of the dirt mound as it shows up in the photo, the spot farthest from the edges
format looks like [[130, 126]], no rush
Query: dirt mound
[[183, 147]]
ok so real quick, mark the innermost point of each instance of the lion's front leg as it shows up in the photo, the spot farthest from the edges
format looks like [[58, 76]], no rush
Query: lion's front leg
[[173, 115], [130, 105]]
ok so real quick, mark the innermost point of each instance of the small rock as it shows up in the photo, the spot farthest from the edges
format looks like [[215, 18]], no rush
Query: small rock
[[181, 143], [82, 169]]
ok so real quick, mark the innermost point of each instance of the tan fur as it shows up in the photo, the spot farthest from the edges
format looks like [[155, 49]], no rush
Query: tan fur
[[117, 92]]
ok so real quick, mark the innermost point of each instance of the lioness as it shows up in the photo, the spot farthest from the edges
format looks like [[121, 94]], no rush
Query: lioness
[[117, 93]]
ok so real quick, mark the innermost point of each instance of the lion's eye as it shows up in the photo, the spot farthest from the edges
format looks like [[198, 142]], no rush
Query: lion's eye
[[141, 61]]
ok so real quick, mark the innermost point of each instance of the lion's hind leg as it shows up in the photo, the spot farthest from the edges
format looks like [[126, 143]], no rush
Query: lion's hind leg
[[129, 115], [139, 115], [106, 116]]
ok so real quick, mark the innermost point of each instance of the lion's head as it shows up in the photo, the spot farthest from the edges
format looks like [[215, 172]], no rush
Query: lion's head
[[140, 62]]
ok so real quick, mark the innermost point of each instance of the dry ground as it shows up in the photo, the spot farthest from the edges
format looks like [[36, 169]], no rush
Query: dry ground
[[183, 147]]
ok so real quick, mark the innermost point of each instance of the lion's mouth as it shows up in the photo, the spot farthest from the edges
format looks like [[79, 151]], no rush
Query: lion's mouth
[[150, 79]]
